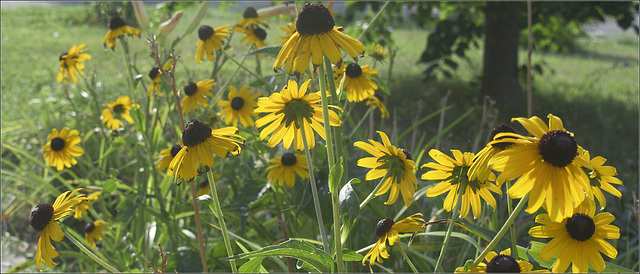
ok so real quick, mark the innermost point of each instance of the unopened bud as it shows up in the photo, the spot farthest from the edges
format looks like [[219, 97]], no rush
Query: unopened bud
[[200, 13], [141, 14], [167, 26]]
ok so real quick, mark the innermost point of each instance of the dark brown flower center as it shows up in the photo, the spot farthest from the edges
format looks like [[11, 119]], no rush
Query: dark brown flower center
[[116, 22], [196, 132], [406, 153], [41, 216], [89, 227], [119, 109], [384, 226], [204, 183], [500, 129], [379, 95], [580, 227], [288, 159], [354, 70], [175, 149], [503, 263], [260, 33], [558, 148], [205, 32], [154, 72], [314, 19], [237, 103], [62, 56], [250, 12], [191, 88], [57, 144]]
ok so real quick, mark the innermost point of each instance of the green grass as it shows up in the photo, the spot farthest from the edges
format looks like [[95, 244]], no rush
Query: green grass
[[593, 90]]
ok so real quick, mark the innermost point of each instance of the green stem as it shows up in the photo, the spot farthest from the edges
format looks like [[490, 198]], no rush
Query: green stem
[[502, 231], [248, 70], [125, 51], [368, 199], [88, 252], [407, 259], [361, 121], [514, 244], [461, 188], [337, 236], [223, 226], [196, 212], [374, 19], [314, 192], [325, 113]]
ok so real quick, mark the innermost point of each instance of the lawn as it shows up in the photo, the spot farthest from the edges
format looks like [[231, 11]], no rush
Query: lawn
[[595, 90]]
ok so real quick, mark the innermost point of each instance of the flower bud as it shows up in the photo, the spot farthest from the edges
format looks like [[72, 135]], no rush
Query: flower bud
[[167, 26], [141, 14], [200, 13]]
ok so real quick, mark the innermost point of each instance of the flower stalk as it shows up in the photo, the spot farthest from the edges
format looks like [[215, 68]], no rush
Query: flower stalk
[[88, 252], [447, 235], [514, 244], [404, 254], [223, 226], [203, 258]]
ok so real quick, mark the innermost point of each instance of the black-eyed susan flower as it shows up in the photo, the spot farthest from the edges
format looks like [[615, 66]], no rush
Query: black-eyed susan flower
[[284, 167], [387, 229], [118, 28], [210, 39], [166, 156], [118, 109], [316, 36], [93, 231], [240, 106], [255, 36], [395, 163], [71, 65], [250, 20], [156, 78], [290, 110], [501, 263], [378, 102], [578, 239], [195, 93], [547, 165], [378, 52], [601, 177], [204, 187], [480, 167], [43, 219], [289, 29], [358, 83], [62, 148], [82, 207], [200, 141], [453, 173]]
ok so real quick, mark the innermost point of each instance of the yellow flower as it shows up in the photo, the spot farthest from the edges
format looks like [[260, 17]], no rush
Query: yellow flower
[[601, 178], [166, 156], [453, 173], [118, 28], [204, 187], [93, 231], [43, 219], [547, 166], [82, 207], [395, 163], [210, 39], [578, 239], [156, 78], [62, 148], [285, 166], [288, 31], [240, 106], [315, 37], [200, 141], [71, 64], [120, 108], [249, 20], [359, 84], [501, 263], [290, 110], [388, 230], [195, 93], [480, 167], [378, 102], [377, 52], [255, 36]]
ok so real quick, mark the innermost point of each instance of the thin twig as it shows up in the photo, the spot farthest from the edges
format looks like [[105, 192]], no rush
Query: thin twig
[[169, 77]]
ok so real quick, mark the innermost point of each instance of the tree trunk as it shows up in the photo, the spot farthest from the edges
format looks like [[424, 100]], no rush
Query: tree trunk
[[500, 64]]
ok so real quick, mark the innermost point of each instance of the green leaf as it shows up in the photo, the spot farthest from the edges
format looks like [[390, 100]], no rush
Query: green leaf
[[317, 258], [335, 175], [351, 256], [486, 234], [109, 186], [354, 181], [252, 266], [271, 51], [349, 204]]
